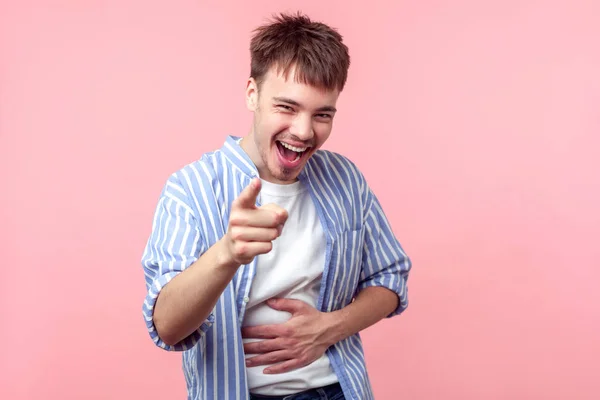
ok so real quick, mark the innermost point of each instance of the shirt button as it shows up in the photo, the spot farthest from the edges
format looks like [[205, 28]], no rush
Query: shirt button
[[246, 299]]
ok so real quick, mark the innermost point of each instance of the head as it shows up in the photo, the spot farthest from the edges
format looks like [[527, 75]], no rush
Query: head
[[298, 70]]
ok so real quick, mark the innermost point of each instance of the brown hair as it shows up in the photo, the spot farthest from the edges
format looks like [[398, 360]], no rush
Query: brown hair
[[315, 49]]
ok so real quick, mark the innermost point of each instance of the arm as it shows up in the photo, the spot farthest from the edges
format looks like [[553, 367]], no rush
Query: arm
[[384, 263], [171, 265], [309, 332], [188, 299], [381, 293], [184, 278], [370, 306]]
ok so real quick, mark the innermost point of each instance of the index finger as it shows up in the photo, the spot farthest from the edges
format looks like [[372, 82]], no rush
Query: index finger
[[248, 196], [260, 332]]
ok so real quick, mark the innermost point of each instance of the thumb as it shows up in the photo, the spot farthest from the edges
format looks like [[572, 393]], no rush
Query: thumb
[[290, 305], [247, 198]]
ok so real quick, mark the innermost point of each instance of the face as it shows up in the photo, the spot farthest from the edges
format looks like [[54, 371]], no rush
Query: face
[[291, 121]]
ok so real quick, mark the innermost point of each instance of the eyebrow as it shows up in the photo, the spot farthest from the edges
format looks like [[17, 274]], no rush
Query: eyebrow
[[295, 103]]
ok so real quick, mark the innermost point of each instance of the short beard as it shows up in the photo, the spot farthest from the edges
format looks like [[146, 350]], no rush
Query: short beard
[[286, 173]]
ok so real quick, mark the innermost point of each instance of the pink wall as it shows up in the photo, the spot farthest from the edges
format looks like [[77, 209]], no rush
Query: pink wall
[[475, 122]]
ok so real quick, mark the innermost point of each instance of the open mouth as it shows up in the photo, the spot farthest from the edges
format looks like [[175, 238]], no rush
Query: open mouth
[[291, 155]]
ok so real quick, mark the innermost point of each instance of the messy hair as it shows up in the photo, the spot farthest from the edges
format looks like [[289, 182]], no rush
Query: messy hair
[[316, 51]]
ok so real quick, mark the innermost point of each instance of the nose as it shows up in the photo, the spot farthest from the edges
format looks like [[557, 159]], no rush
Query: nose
[[302, 128]]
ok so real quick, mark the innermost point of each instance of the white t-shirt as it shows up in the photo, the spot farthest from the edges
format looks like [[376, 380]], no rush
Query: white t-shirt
[[293, 269]]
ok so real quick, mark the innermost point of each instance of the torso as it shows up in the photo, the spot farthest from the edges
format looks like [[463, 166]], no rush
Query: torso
[[293, 269]]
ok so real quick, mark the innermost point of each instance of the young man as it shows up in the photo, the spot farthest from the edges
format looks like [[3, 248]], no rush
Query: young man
[[268, 256]]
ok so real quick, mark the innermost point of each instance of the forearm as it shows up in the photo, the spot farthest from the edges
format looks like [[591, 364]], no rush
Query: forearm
[[188, 299], [370, 306]]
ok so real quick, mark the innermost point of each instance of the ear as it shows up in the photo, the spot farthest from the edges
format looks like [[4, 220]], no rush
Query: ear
[[252, 95]]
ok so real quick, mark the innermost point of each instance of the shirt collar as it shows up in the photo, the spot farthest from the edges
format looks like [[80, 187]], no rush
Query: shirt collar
[[238, 157]]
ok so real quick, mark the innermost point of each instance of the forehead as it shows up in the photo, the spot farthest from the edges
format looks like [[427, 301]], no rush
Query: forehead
[[276, 84]]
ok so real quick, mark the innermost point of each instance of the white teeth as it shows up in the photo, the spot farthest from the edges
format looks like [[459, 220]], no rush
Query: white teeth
[[293, 148]]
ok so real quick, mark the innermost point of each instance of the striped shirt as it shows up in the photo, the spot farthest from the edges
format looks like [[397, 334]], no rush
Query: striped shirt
[[192, 214]]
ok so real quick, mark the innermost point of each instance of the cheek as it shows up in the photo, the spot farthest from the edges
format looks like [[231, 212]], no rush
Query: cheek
[[322, 132], [275, 124]]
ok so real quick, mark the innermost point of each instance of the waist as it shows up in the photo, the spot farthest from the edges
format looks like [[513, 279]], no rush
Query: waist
[[314, 375], [322, 392]]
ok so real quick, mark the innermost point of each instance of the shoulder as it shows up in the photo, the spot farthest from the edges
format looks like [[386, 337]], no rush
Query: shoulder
[[198, 172], [192, 181], [337, 167]]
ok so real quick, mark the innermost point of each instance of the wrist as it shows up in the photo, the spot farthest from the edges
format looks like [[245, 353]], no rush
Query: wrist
[[334, 327], [224, 259]]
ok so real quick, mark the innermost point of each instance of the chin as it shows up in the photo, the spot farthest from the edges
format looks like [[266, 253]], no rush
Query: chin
[[281, 174], [286, 175]]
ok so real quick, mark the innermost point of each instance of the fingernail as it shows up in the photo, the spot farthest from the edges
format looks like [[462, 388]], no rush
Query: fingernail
[[280, 229]]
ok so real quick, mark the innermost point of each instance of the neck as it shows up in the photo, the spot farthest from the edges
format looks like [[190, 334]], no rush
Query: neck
[[247, 144]]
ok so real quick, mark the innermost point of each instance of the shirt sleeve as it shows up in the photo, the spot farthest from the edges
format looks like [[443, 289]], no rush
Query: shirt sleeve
[[174, 244], [385, 263]]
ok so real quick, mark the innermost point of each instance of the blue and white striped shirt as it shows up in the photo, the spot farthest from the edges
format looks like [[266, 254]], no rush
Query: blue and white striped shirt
[[192, 214]]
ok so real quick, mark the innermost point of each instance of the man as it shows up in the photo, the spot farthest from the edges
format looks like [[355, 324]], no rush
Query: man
[[268, 256]]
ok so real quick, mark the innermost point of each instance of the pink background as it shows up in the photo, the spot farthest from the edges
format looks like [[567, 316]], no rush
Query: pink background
[[476, 123]]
